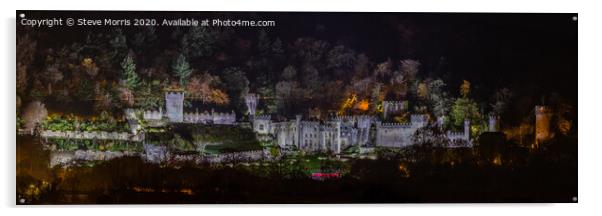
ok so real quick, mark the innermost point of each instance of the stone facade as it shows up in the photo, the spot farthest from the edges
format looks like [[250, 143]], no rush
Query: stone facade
[[305, 135], [341, 132], [399, 134]]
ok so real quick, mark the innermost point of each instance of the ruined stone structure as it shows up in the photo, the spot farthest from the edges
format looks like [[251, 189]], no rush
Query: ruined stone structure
[[543, 116]]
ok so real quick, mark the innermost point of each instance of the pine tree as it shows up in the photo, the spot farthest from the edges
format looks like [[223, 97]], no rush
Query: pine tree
[[129, 73], [182, 70]]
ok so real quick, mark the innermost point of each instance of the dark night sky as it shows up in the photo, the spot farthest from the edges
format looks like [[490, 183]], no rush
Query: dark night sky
[[491, 50], [530, 53]]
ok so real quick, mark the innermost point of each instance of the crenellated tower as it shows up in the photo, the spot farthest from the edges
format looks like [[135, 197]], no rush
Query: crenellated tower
[[493, 123], [174, 102], [543, 117], [251, 101]]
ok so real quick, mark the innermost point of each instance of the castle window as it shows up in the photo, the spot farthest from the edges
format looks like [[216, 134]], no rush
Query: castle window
[[260, 126]]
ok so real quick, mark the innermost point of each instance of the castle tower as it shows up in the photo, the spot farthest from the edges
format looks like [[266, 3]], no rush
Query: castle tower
[[440, 121], [493, 123], [251, 101], [338, 137], [174, 103], [543, 116], [363, 124], [467, 129], [377, 138], [385, 109], [297, 138]]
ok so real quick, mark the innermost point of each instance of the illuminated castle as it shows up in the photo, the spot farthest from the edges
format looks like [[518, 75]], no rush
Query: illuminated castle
[[340, 132]]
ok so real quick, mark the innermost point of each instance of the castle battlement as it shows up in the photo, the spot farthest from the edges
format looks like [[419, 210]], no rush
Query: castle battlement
[[345, 117], [174, 93], [213, 117], [263, 117], [146, 114], [395, 125], [153, 114], [364, 117], [309, 123], [394, 103], [451, 134]]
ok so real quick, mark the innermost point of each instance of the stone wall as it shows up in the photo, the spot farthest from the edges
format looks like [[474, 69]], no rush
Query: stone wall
[[99, 135], [210, 118], [399, 135], [394, 135], [66, 158], [245, 156]]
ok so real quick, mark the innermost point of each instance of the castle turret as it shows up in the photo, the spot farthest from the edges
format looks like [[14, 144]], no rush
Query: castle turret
[[493, 123], [297, 131], [174, 102], [440, 121], [467, 129], [338, 136], [543, 116], [363, 125], [251, 101]]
